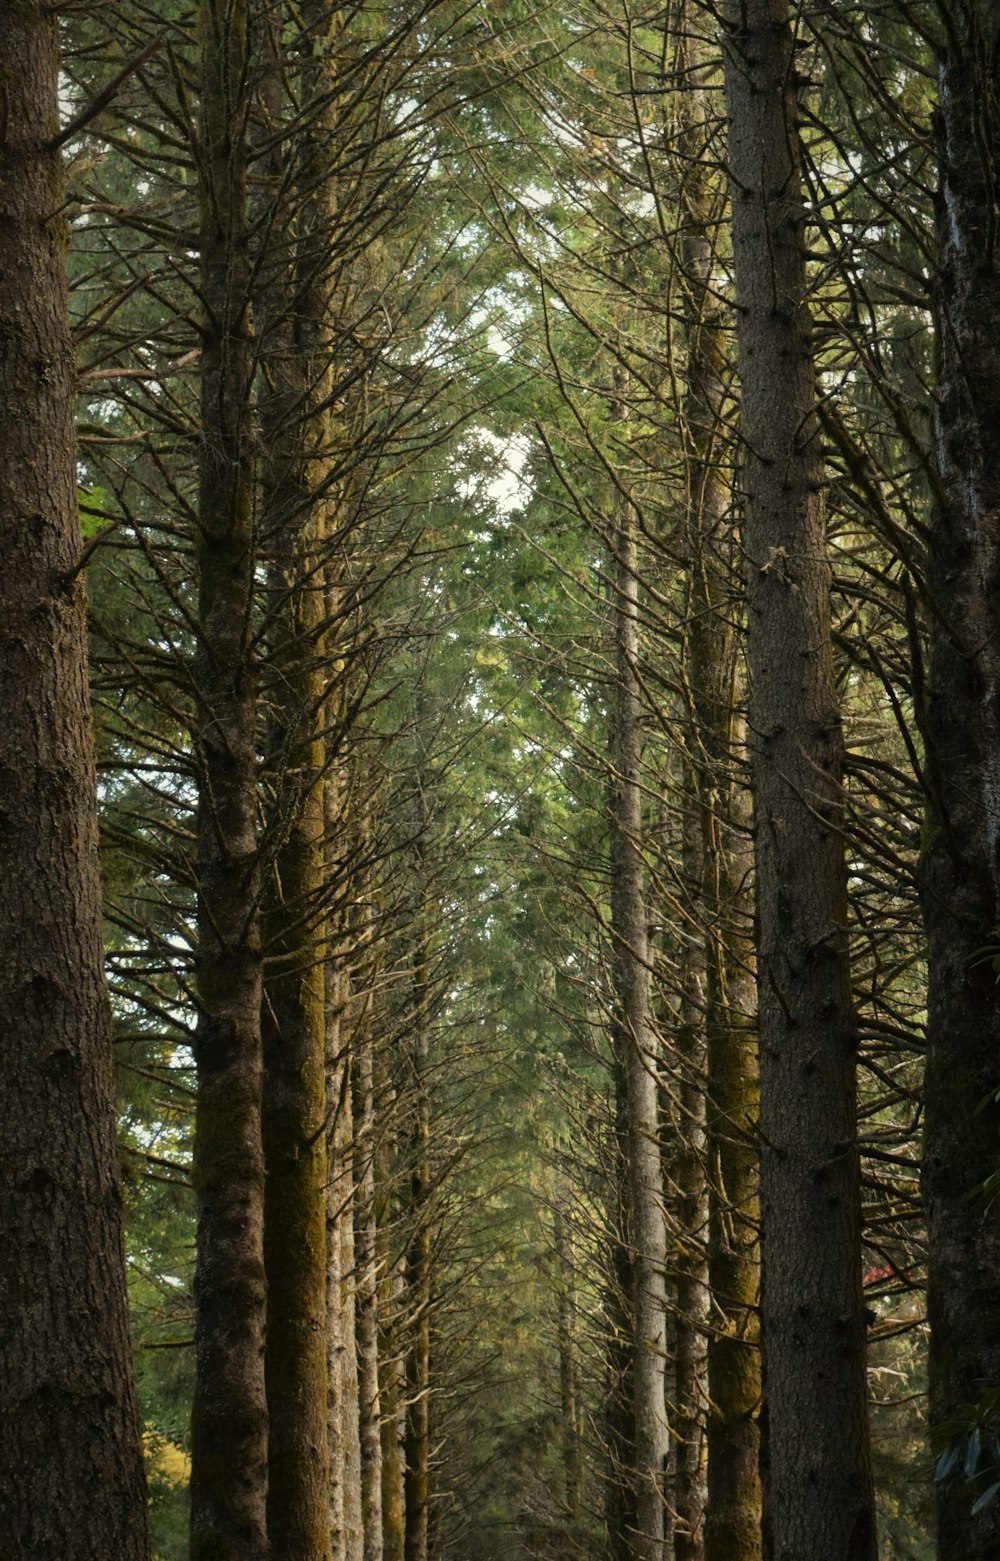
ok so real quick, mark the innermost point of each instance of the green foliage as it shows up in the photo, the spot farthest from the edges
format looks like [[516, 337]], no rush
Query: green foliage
[[968, 1449], [168, 1471]]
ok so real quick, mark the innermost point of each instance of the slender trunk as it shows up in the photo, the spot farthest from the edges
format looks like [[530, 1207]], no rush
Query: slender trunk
[[813, 1317], [366, 1254], [336, 1315], [296, 354], [638, 1047], [416, 1496], [619, 1429], [569, 1393], [732, 1529], [344, 1419], [228, 1420], [685, 1159], [961, 864], [390, 1287], [391, 1399], [69, 1423], [343, 1425]]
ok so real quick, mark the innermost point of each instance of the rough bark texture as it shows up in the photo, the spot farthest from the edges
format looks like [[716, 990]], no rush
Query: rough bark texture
[[813, 1317], [228, 1423], [295, 353], [343, 1400], [961, 864], [637, 1045], [295, 1084], [732, 1528], [72, 1483]]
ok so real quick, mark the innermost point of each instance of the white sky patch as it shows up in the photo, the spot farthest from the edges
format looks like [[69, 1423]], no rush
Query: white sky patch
[[503, 485]]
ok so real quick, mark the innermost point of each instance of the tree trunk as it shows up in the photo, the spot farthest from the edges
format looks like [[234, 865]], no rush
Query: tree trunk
[[343, 1431], [637, 1046], [72, 1481], [296, 357], [228, 1420], [813, 1317], [618, 1420], [390, 1289], [569, 1391], [732, 1528], [685, 1163], [961, 863], [417, 1449], [366, 1255]]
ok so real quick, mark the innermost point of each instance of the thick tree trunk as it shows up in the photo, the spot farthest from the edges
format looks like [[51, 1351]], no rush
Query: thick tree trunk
[[732, 1528], [294, 399], [961, 864], [228, 1422], [813, 1317], [637, 1046], [72, 1483], [295, 1143]]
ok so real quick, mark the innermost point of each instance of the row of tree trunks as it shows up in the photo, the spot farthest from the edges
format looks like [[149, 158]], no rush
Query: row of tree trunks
[[270, 505], [72, 1483], [812, 1311]]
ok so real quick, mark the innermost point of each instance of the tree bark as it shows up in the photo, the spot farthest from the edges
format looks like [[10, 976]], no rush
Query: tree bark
[[390, 1292], [72, 1485], [343, 1431], [366, 1255], [637, 1045], [618, 1420], [569, 1391], [228, 1422], [685, 1165], [813, 1317], [961, 860], [417, 1441], [732, 1525], [296, 355]]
